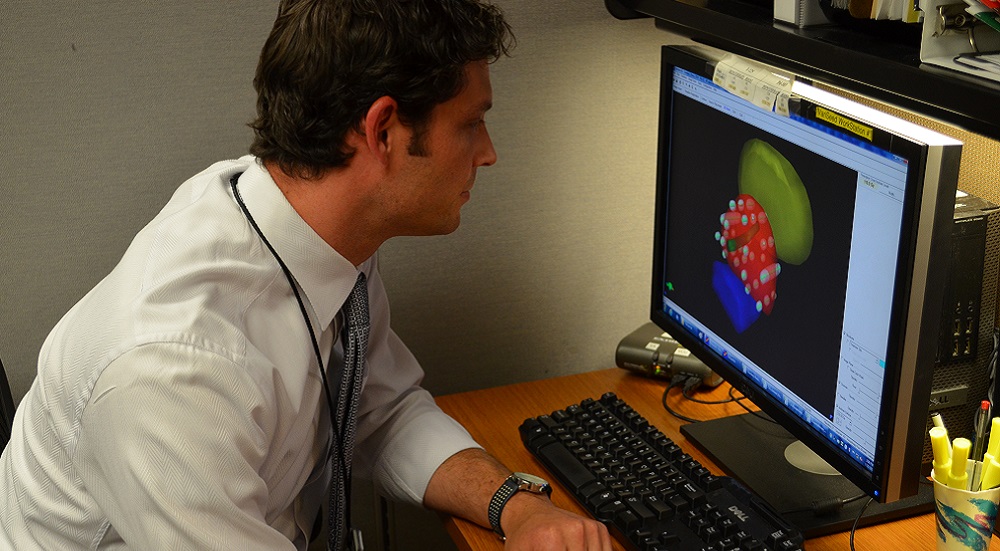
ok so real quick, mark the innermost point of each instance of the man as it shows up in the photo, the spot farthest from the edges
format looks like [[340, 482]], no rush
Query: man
[[223, 382]]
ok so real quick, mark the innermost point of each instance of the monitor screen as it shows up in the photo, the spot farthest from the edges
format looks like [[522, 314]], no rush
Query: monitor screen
[[794, 254]]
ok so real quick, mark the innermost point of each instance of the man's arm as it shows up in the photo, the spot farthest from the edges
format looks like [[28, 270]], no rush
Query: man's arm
[[169, 453], [464, 484]]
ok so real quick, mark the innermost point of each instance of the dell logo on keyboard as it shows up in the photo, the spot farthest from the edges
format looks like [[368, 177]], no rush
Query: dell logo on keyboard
[[739, 514]]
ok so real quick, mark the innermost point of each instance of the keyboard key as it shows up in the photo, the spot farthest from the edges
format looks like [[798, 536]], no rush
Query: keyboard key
[[636, 505], [597, 500], [609, 510], [590, 489], [626, 520], [659, 508]]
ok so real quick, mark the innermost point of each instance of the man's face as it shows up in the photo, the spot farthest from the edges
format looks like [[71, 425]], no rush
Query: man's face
[[430, 189]]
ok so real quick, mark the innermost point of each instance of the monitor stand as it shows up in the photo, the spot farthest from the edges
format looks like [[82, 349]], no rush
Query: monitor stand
[[753, 450]]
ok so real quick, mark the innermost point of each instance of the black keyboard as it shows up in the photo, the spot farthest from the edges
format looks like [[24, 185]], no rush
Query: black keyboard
[[630, 476]]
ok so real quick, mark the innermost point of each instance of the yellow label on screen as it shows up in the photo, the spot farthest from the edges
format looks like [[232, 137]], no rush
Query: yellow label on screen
[[851, 126]]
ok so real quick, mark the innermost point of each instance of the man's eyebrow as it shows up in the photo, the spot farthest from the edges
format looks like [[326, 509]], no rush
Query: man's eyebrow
[[479, 110]]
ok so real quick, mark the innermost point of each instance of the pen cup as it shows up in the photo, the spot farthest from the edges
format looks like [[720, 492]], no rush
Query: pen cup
[[964, 519]]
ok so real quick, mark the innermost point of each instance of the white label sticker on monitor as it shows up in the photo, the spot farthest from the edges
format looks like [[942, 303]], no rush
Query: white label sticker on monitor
[[754, 83]]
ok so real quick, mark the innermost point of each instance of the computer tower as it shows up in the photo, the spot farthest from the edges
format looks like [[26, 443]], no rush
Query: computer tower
[[961, 378]]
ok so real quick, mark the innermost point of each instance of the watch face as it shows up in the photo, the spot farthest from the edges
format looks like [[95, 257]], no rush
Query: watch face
[[532, 483], [531, 479]]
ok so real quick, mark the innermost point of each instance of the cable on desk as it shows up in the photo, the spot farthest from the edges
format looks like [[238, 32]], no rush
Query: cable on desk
[[687, 394], [827, 506], [676, 381], [739, 402], [690, 382], [857, 519]]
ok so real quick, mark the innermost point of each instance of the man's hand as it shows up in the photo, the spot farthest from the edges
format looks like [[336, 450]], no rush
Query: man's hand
[[532, 523], [464, 483]]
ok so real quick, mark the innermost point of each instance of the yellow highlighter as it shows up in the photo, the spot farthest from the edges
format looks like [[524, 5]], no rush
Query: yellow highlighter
[[991, 475], [958, 478], [994, 443], [942, 454]]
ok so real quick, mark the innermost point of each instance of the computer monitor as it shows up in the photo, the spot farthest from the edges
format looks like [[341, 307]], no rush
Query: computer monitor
[[800, 249]]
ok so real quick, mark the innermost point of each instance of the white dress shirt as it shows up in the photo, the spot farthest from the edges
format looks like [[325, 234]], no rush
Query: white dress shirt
[[179, 404]]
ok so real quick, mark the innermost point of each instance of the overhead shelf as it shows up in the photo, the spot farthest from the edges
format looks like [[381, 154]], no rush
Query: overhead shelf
[[881, 61]]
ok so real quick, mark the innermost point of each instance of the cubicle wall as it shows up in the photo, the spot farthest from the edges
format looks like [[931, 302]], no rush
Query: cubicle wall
[[108, 106]]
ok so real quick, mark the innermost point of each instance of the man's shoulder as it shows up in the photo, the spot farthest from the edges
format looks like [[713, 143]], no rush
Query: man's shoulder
[[195, 269]]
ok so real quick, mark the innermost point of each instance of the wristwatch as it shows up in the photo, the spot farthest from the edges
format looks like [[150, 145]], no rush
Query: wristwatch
[[516, 482]]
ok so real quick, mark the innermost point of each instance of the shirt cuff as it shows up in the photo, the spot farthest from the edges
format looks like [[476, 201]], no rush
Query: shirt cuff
[[415, 450]]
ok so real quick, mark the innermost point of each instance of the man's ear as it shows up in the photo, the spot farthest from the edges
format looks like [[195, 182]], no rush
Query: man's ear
[[381, 119]]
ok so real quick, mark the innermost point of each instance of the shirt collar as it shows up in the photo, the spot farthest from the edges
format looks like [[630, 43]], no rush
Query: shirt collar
[[324, 275]]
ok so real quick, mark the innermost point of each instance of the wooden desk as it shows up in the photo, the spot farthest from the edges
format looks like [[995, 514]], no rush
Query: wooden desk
[[493, 415]]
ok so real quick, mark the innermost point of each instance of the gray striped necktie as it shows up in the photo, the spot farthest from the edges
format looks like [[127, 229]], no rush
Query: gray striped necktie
[[354, 336]]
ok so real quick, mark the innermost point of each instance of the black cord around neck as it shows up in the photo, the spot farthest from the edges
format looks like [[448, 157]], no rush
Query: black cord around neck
[[338, 431], [295, 291]]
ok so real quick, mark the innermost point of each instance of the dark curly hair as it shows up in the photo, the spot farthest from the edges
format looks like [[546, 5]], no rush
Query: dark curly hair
[[326, 61]]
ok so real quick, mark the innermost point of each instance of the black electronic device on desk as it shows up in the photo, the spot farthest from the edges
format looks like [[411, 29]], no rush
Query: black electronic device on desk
[[652, 352], [629, 475]]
